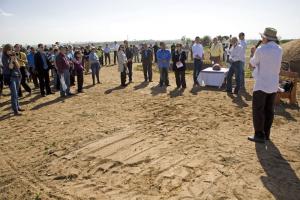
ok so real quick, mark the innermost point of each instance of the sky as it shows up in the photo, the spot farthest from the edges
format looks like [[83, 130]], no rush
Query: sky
[[47, 21]]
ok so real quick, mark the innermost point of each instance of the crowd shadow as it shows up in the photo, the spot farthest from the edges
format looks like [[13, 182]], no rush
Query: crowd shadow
[[176, 92], [48, 103], [86, 87], [109, 91], [142, 85], [195, 90], [6, 116], [280, 110], [281, 180], [156, 90], [238, 100]]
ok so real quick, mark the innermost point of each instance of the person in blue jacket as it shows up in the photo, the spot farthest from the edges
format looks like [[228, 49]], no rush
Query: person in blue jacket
[[163, 60]]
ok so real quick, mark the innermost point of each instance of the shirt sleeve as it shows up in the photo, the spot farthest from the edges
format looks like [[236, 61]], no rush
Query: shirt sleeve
[[254, 61]]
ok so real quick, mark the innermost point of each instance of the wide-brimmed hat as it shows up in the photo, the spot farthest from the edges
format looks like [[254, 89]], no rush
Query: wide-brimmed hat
[[270, 34]]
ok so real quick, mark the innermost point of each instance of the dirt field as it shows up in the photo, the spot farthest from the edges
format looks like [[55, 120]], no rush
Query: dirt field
[[145, 143]]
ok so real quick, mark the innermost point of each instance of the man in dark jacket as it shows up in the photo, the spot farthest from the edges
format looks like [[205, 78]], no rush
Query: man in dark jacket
[[42, 67], [147, 58], [179, 66], [129, 55]]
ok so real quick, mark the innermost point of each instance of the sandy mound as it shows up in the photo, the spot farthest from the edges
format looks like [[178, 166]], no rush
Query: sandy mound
[[291, 55]]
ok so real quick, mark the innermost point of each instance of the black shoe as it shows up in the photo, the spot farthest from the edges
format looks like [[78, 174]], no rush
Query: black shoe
[[256, 139], [49, 93], [16, 113], [43, 95], [150, 81]]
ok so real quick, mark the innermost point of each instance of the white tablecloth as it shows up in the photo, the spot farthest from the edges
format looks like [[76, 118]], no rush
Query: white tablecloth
[[212, 78]]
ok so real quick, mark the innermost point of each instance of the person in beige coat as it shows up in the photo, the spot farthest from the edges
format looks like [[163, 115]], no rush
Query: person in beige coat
[[122, 61]]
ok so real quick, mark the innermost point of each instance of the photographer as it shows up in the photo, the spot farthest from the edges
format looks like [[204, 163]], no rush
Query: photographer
[[12, 76]]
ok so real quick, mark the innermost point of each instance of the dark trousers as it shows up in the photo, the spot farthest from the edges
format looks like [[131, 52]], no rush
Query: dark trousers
[[1, 83], [115, 57], [34, 77], [101, 61], [180, 78], [79, 80], [155, 57], [164, 76], [24, 81], [72, 77], [263, 112], [197, 69], [123, 78], [235, 68], [44, 80], [129, 66], [147, 68], [107, 57]]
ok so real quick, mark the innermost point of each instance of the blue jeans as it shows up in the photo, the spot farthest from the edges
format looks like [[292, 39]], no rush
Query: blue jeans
[[235, 68], [242, 74], [197, 69], [95, 72], [66, 75], [14, 88]]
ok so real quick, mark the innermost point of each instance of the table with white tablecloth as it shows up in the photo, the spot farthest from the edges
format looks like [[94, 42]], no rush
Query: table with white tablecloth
[[212, 77]]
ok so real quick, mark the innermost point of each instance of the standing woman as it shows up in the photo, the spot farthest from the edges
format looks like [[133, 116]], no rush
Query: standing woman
[[122, 61], [179, 67], [78, 67], [12, 76], [95, 65]]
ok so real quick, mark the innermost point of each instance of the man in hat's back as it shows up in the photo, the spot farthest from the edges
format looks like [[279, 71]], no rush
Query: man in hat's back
[[266, 63]]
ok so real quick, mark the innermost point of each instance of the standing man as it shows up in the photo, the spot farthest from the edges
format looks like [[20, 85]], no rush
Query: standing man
[[155, 49], [1, 72], [22, 59], [115, 48], [266, 63], [100, 55], [216, 52], [42, 67], [198, 53], [129, 55], [63, 70], [147, 58], [163, 61], [235, 59], [243, 43], [31, 67], [136, 54], [107, 54]]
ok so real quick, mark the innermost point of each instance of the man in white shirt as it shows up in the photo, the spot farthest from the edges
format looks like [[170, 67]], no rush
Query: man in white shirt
[[266, 63], [107, 54], [235, 58], [243, 43], [198, 57], [115, 48]]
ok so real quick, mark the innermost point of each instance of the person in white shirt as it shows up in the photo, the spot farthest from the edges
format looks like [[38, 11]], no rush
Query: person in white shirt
[[122, 61], [243, 43], [235, 58], [198, 53], [107, 54], [266, 63], [115, 48]]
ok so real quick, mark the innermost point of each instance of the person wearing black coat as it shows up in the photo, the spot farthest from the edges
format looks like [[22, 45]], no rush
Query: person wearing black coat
[[129, 55], [147, 58], [42, 67], [179, 66]]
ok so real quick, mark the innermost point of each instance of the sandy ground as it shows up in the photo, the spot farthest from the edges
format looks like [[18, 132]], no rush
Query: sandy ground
[[145, 143]]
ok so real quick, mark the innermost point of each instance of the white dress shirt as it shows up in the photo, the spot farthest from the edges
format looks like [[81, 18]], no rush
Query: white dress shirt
[[236, 53], [197, 51], [267, 61], [243, 43], [115, 47]]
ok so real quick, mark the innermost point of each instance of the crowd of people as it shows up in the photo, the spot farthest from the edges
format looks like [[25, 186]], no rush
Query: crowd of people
[[64, 62]]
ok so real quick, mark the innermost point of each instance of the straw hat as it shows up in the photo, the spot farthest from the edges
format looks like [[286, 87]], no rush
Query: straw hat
[[270, 34]]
